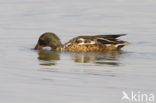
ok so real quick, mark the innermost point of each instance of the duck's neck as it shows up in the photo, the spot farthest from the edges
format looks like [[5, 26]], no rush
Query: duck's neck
[[60, 47]]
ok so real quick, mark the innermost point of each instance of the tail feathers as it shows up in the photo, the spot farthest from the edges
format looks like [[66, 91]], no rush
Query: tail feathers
[[120, 45]]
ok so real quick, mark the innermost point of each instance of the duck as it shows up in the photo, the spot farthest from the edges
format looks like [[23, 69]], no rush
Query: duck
[[95, 43]]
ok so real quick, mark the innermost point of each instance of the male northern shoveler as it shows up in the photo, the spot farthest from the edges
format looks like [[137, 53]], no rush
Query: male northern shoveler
[[97, 43]]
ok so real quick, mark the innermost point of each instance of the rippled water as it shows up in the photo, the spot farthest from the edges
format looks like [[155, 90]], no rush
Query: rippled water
[[29, 76]]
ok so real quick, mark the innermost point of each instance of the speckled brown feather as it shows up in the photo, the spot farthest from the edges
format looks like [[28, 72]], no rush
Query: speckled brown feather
[[111, 43], [89, 48]]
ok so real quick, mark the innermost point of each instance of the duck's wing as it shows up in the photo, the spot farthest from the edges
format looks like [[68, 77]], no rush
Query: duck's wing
[[92, 40], [109, 39], [110, 36]]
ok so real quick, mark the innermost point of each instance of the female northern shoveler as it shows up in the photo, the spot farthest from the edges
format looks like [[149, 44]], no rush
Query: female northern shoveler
[[97, 43]]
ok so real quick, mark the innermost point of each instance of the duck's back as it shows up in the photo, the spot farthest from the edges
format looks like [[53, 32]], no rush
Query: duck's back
[[97, 43]]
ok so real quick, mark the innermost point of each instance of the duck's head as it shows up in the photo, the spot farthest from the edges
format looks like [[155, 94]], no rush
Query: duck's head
[[48, 40]]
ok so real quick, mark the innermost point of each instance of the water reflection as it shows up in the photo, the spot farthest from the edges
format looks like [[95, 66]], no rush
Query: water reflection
[[48, 57], [108, 58]]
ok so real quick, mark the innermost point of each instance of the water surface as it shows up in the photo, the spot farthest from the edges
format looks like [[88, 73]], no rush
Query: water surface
[[29, 76]]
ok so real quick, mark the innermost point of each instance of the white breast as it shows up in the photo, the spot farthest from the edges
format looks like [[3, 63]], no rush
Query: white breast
[[47, 48]]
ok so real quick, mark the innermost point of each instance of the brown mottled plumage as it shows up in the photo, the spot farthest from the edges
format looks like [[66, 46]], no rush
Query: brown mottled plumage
[[97, 43]]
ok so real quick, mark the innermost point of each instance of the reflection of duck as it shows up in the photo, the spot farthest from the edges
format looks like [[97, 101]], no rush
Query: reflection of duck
[[98, 43], [48, 57], [110, 58]]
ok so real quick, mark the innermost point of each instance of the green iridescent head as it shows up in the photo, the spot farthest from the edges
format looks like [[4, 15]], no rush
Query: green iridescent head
[[48, 40]]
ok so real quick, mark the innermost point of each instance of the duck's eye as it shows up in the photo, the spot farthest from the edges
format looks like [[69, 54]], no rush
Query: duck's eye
[[42, 42]]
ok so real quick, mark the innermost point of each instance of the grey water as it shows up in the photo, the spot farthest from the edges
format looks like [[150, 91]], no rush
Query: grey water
[[29, 76]]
